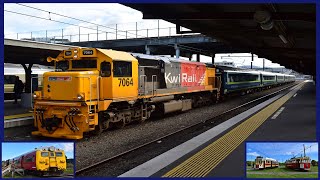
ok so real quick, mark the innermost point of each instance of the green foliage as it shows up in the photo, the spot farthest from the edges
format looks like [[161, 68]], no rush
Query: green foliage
[[314, 163]]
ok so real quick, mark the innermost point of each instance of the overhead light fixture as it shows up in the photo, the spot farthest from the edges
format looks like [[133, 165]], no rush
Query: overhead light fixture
[[283, 39], [264, 19]]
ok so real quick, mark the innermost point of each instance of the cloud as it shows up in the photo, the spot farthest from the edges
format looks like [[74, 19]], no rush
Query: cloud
[[289, 153], [68, 147], [253, 154]]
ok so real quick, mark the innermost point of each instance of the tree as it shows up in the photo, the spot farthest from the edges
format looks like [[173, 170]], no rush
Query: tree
[[314, 163]]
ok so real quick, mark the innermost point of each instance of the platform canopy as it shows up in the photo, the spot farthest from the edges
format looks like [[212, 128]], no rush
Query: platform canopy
[[282, 33], [30, 52]]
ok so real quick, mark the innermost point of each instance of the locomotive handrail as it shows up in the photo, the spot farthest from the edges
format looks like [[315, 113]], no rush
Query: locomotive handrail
[[98, 87], [153, 83], [144, 83]]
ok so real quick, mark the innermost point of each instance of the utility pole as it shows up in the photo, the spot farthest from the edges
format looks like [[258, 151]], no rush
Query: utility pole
[[304, 151]]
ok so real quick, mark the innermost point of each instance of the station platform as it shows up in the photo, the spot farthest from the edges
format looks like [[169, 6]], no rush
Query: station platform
[[220, 151], [16, 115]]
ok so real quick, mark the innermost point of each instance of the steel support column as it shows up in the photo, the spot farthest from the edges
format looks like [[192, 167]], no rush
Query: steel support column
[[177, 50], [147, 48]]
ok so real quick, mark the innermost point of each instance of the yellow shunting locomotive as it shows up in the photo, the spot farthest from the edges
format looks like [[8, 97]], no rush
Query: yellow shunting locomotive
[[41, 161], [93, 89]]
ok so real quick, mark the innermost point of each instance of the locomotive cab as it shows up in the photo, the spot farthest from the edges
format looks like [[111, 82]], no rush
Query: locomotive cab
[[85, 82]]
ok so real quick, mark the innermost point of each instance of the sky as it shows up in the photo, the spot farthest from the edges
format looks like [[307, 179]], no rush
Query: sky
[[107, 15], [11, 150], [281, 151]]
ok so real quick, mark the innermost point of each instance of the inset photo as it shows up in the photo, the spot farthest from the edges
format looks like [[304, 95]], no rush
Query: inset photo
[[38, 160], [282, 160]]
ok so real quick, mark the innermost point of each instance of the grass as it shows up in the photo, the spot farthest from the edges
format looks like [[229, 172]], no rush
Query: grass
[[69, 171], [283, 172]]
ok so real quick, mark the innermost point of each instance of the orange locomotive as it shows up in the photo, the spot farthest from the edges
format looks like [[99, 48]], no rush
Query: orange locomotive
[[93, 89]]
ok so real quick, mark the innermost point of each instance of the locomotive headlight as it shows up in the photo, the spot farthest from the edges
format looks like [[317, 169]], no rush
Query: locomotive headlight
[[51, 148], [35, 96], [80, 96]]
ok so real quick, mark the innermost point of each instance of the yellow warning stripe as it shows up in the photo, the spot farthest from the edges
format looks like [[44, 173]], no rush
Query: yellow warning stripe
[[18, 116], [203, 162]]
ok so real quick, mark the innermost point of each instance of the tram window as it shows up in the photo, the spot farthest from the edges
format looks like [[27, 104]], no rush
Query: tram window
[[84, 63], [62, 65], [105, 69], [59, 154], [122, 69], [51, 154], [44, 154]]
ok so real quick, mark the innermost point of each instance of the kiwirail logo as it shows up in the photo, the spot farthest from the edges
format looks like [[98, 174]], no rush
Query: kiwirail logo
[[177, 79]]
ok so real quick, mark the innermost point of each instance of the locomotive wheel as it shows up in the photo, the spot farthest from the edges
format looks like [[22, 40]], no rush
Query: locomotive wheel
[[98, 129], [119, 124]]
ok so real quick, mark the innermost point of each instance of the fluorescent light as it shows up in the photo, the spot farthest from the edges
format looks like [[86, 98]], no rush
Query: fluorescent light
[[284, 40]]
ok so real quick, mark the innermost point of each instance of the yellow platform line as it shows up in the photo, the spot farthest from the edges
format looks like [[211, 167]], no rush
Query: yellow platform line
[[17, 116], [203, 162]]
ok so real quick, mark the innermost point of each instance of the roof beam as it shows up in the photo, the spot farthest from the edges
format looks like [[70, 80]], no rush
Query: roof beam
[[229, 16]]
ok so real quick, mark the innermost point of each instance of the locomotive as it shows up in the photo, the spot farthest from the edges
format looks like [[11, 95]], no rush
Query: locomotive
[[94, 89], [41, 161], [263, 163]]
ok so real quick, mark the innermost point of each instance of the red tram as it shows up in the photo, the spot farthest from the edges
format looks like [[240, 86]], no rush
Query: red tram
[[300, 163]]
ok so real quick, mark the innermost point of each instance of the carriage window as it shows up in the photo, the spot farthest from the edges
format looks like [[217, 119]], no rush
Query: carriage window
[[28, 159], [62, 65], [269, 77], [44, 154], [59, 154], [84, 64], [122, 69], [243, 77], [105, 69]]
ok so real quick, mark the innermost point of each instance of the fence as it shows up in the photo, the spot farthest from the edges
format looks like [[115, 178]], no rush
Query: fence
[[96, 33]]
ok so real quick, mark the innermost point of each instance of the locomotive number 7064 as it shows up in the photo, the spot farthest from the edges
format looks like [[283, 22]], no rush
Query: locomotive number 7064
[[125, 82]]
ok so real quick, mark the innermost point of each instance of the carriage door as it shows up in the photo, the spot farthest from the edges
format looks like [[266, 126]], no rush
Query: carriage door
[[52, 160], [105, 83]]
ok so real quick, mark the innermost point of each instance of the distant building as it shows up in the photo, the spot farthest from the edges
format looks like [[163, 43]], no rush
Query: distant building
[[225, 63]]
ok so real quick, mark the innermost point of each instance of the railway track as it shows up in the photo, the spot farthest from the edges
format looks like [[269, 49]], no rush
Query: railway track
[[160, 139]]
